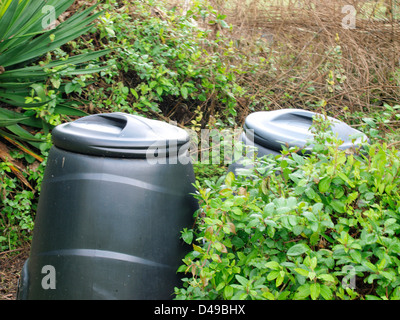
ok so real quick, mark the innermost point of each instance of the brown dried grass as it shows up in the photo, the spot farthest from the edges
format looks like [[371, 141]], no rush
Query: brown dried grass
[[298, 38]]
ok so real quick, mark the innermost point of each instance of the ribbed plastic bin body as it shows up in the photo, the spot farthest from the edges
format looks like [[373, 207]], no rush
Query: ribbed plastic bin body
[[110, 225], [268, 131]]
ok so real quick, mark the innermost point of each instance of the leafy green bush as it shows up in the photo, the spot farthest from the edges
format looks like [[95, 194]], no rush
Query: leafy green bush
[[35, 74], [18, 203], [322, 226], [157, 62], [165, 61]]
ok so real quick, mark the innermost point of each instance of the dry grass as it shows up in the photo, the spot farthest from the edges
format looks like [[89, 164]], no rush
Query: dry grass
[[311, 60]]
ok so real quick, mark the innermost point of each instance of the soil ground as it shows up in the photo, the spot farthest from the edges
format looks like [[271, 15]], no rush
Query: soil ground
[[11, 263]]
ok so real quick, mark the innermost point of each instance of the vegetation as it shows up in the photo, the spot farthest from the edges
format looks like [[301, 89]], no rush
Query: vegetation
[[166, 61], [26, 36], [323, 226], [32, 95], [296, 234]]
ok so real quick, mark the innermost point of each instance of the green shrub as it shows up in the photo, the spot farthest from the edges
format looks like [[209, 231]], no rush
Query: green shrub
[[322, 226], [165, 62], [18, 203], [35, 75]]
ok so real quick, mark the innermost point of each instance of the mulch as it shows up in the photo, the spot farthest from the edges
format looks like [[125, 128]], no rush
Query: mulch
[[11, 263]]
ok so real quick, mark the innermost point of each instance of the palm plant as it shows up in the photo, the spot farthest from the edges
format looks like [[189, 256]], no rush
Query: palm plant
[[27, 33]]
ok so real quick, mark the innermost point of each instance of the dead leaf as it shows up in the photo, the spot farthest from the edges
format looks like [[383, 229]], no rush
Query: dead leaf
[[15, 166], [24, 149]]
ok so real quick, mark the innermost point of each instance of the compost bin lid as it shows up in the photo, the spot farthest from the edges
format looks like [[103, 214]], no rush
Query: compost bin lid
[[272, 129], [119, 135]]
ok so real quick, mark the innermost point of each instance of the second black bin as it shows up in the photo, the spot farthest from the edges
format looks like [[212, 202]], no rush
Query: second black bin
[[268, 131], [115, 196]]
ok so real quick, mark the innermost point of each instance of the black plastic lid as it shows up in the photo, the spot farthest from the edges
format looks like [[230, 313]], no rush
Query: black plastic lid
[[119, 135], [272, 129]]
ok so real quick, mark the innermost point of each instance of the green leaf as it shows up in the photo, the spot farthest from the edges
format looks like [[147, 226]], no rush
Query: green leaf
[[370, 122], [311, 193], [228, 292], [338, 206], [223, 24], [273, 265], [326, 277], [5, 121], [152, 84], [187, 235], [68, 30], [346, 179], [324, 184], [351, 197], [23, 134], [310, 216], [69, 111], [69, 87], [283, 210], [381, 265], [315, 290], [298, 249], [237, 211], [273, 275], [268, 295], [242, 280], [301, 271], [302, 292], [299, 159], [372, 277], [326, 292], [220, 247], [230, 177], [238, 242], [197, 248], [389, 222], [313, 263], [280, 278], [215, 257], [220, 286], [371, 297], [314, 238], [298, 190], [184, 92], [317, 207], [22, 39], [182, 268], [134, 93], [7, 16], [269, 209], [370, 266], [356, 255]]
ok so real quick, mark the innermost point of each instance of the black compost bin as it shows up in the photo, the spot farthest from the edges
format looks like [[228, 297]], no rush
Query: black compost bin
[[268, 131], [115, 195]]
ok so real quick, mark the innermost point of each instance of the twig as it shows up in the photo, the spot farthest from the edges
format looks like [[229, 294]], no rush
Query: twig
[[393, 144], [8, 251]]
